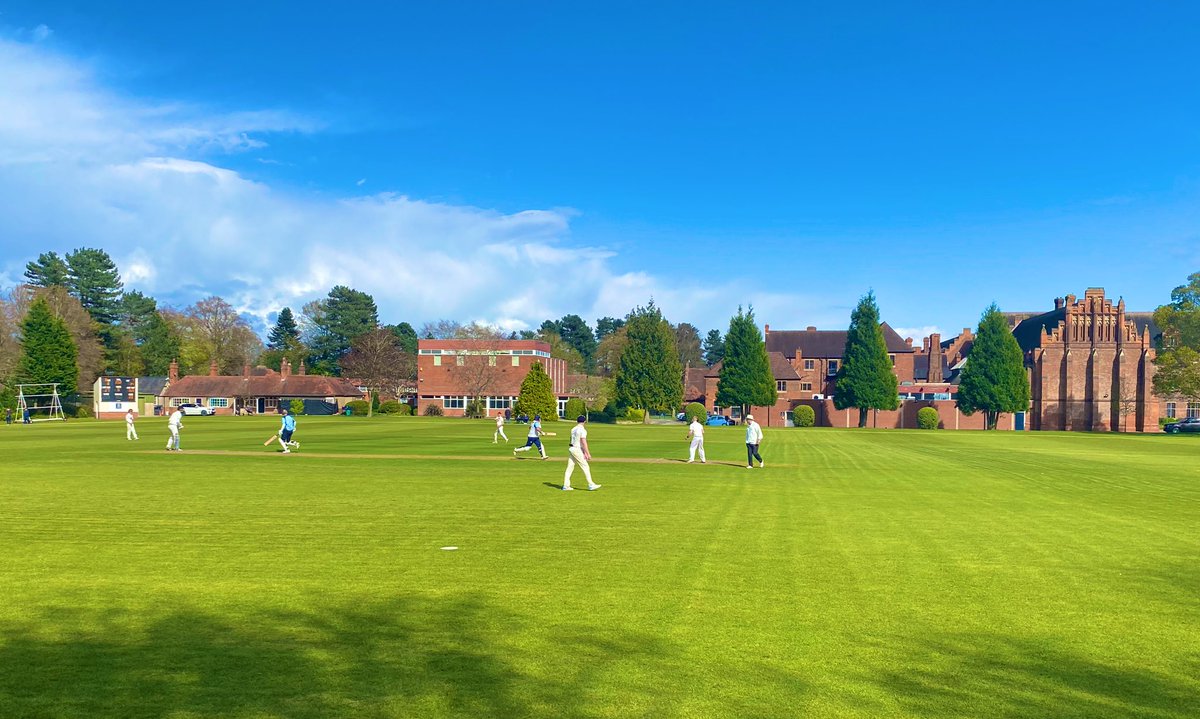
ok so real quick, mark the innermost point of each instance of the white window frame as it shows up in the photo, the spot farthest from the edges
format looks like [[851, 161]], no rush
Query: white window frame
[[781, 385], [806, 386], [1170, 410], [810, 364], [454, 402], [1193, 409], [218, 402], [832, 368]]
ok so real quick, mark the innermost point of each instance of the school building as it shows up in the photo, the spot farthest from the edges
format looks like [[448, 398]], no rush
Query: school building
[[452, 372], [258, 390]]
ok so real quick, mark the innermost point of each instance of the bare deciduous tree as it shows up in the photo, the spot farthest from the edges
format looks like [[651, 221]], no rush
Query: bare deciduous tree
[[377, 360]]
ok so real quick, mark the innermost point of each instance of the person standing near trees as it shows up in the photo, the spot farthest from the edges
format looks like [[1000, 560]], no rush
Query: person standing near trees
[[578, 454], [696, 434], [754, 437], [130, 432]]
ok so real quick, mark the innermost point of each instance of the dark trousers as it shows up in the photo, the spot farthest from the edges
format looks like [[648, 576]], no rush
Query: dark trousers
[[752, 454]]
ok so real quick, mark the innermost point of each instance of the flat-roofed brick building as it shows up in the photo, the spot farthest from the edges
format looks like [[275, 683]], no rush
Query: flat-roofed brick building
[[452, 372]]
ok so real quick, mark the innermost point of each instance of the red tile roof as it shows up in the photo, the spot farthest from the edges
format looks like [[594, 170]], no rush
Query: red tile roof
[[271, 385]]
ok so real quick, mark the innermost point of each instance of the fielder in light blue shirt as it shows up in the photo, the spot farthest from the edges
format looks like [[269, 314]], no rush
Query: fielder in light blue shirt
[[285, 432]]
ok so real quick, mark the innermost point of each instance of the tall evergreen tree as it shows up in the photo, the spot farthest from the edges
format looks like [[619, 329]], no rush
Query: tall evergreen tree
[[745, 378], [537, 395], [160, 345], [648, 374], [407, 336], [865, 379], [47, 270], [335, 322], [47, 351], [994, 379], [687, 345], [135, 310], [714, 347], [93, 278], [284, 335], [605, 326], [576, 333]]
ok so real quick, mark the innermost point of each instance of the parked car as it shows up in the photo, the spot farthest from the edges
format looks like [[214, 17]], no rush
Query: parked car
[[1191, 424], [194, 409], [718, 421]]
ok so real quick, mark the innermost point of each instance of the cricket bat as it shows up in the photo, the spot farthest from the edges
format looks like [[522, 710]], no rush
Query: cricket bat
[[271, 439], [550, 434]]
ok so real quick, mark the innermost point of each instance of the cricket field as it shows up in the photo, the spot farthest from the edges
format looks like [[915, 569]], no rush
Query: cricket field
[[861, 573]]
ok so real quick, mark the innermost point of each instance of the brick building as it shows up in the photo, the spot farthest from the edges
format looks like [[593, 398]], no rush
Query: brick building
[[452, 372], [1091, 365], [258, 389]]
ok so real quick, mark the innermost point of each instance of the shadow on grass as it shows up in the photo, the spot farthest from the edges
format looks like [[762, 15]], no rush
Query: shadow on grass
[[995, 676], [404, 657]]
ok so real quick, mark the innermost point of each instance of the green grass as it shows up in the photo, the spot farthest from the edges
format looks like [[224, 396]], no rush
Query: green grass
[[861, 574]]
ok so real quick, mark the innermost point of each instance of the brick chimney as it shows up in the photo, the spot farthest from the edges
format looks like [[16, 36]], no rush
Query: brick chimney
[[303, 370], [173, 371], [810, 328], [1058, 303], [935, 357], [246, 370], [212, 369], [285, 368], [766, 329]]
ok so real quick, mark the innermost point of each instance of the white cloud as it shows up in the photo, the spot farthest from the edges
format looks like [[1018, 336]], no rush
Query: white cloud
[[40, 33], [83, 165], [919, 333]]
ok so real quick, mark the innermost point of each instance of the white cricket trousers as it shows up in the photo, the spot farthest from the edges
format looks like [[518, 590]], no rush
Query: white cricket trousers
[[499, 433], [173, 440], [130, 432], [574, 457], [697, 444]]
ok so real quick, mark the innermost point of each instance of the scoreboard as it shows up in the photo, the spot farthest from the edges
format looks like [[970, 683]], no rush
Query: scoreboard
[[118, 389], [114, 395]]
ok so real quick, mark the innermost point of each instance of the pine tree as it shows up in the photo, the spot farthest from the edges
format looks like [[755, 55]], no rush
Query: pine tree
[[284, 335], [865, 379], [47, 270], [994, 379], [335, 322], [537, 395], [745, 377], [93, 278], [648, 374], [160, 345], [47, 351], [714, 347]]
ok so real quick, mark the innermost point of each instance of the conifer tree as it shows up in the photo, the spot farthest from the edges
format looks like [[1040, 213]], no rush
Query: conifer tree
[[994, 379], [47, 270], [537, 395], [648, 374], [865, 379], [714, 347], [47, 351], [160, 345], [284, 335], [745, 377], [93, 278]]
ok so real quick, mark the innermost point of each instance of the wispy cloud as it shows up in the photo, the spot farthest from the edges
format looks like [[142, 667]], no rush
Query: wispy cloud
[[81, 164]]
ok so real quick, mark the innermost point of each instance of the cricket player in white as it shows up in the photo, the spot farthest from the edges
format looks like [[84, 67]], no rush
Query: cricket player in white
[[175, 423], [754, 437], [130, 432], [578, 453], [499, 430], [696, 434]]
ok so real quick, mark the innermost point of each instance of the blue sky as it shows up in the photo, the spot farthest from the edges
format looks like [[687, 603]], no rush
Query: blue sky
[[512, 162]]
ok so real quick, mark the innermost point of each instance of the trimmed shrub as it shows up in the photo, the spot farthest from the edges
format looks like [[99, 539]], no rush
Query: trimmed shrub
[[393, 407], [1164, 421], [575, 407], [695, 410], [927, 418], [433, 410], [537, 395], [358, 407], [804, 416], [296, 406], [635, 415], [475, 408]]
